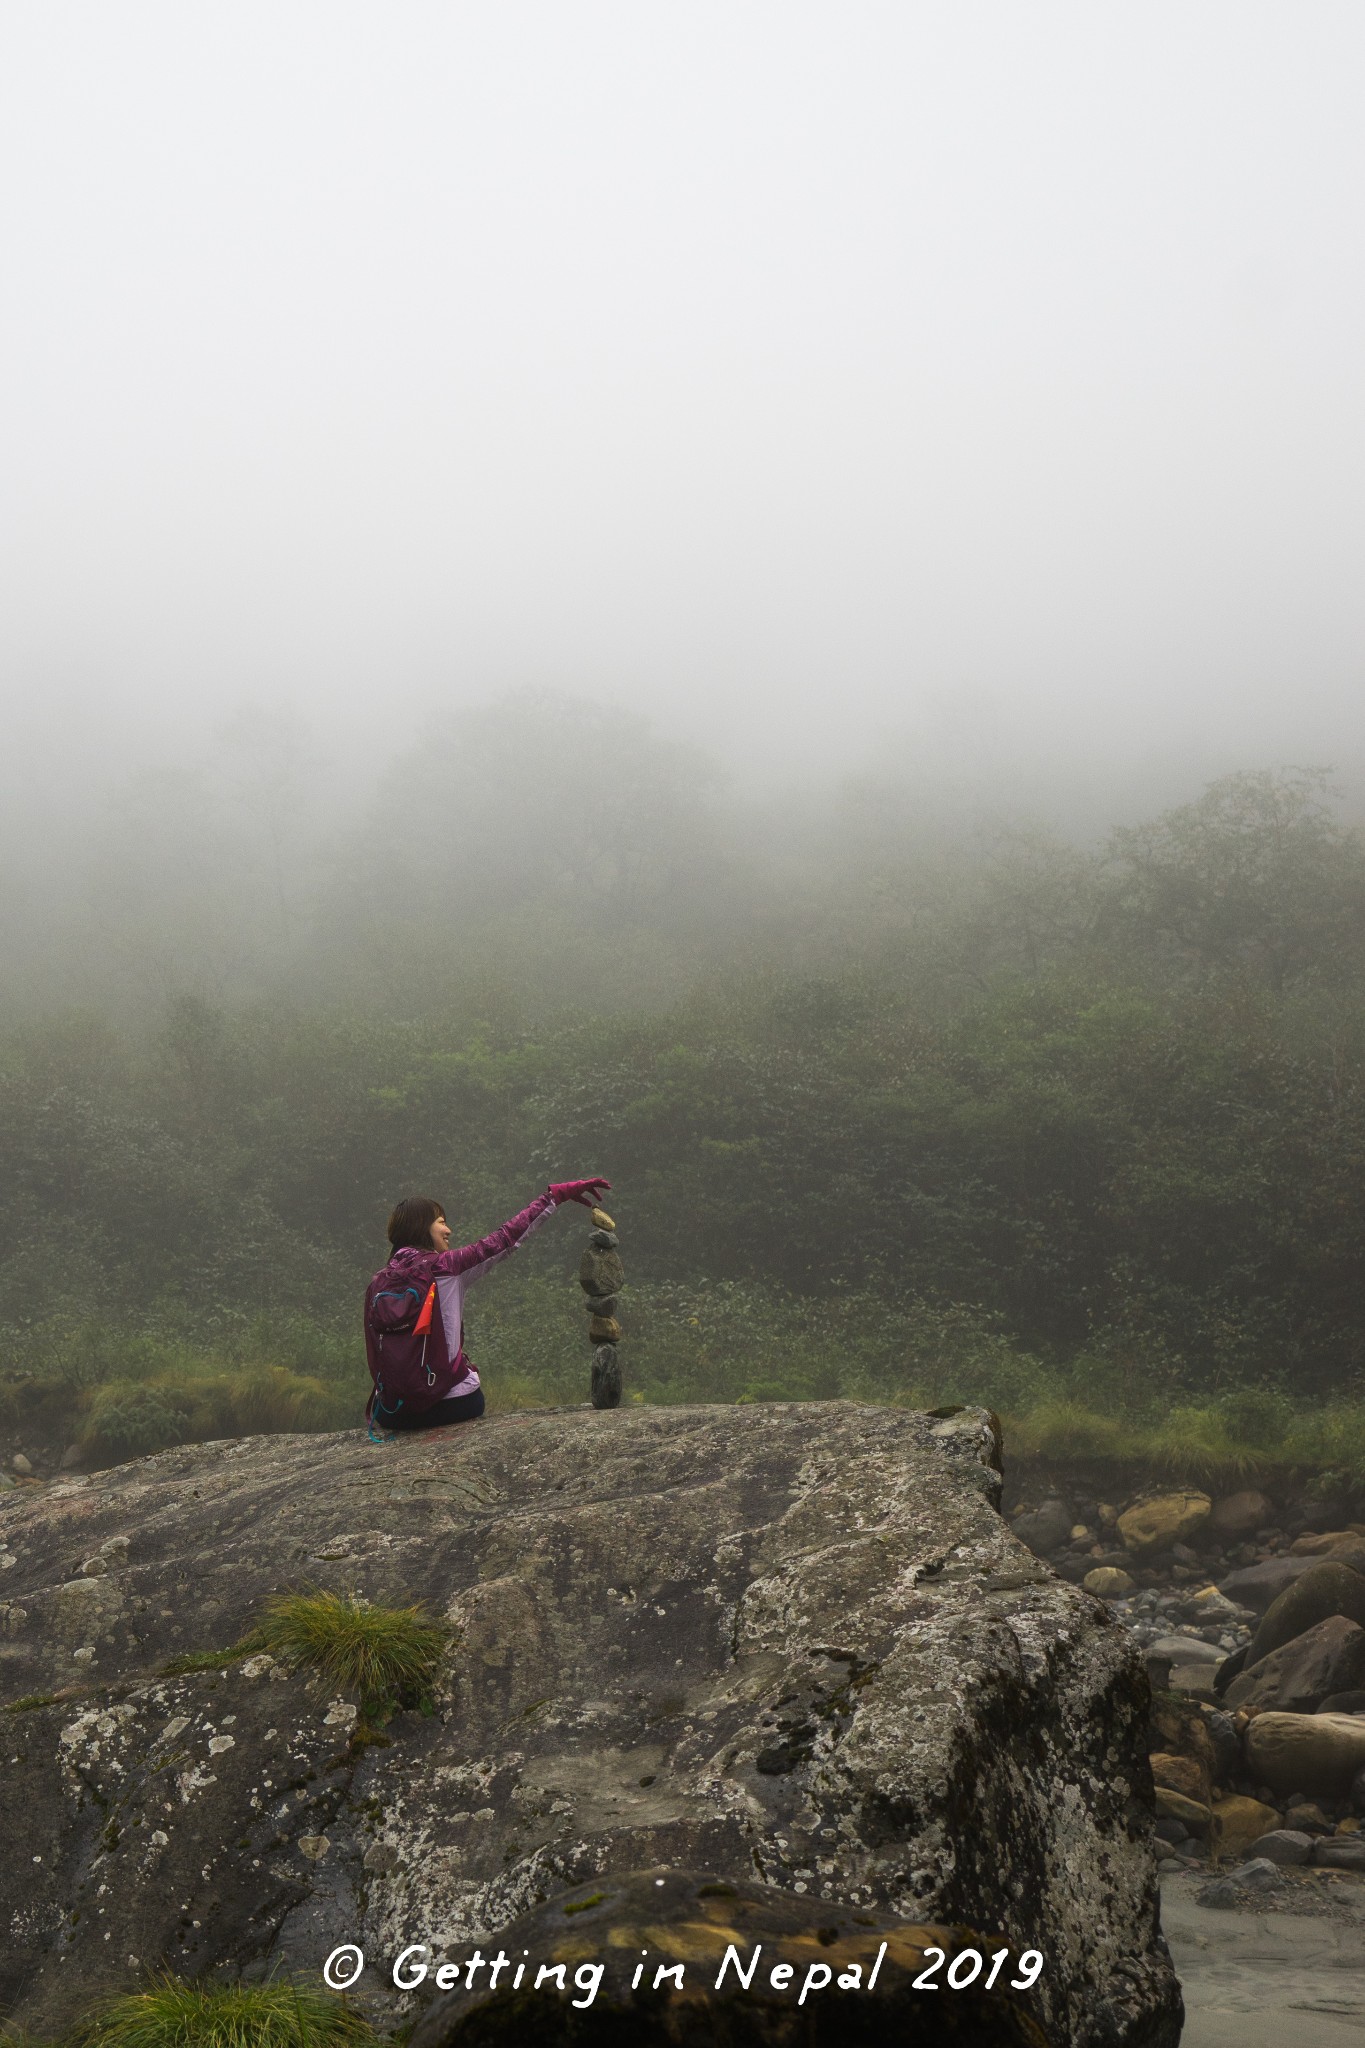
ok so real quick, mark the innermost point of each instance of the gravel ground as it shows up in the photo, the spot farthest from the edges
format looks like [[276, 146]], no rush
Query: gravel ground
[[1285, 1975]]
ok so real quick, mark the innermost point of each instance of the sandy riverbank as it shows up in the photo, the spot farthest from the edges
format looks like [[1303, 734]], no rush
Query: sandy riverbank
[[1291, 1976]]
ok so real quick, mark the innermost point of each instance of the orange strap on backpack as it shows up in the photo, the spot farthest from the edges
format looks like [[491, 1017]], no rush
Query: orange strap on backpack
[[423, 1323]]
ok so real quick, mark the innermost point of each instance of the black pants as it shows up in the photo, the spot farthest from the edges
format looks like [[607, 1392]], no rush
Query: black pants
[[462, 1408]]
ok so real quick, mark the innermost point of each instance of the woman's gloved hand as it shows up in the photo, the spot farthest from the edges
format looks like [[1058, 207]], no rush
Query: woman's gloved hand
[[588, 1192]]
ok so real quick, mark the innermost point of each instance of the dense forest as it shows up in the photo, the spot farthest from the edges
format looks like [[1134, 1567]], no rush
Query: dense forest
[[895, 1104]]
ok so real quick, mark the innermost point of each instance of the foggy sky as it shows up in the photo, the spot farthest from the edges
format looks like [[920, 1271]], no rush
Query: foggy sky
[[833, 383]]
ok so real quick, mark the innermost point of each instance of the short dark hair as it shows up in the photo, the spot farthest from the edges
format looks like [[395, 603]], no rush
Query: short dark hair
[[411, 1221]]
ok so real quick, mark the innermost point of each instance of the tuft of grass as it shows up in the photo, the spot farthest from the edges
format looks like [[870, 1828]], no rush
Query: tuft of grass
[[169, 2014], [388, 1655], [1069, 1429], [26, 1706]]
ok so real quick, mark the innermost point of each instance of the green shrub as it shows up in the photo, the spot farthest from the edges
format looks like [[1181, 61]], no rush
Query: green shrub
[[169, 2014], [128, 1418], [1262, 1416], [129, 1421], [388, 1655], [1330, 1439]]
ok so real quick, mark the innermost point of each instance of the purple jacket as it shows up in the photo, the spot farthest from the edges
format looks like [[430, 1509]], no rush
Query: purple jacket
[[445, 1370]]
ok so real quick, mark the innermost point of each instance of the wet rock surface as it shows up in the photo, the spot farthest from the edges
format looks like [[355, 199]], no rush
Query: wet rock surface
[[785, 1646]]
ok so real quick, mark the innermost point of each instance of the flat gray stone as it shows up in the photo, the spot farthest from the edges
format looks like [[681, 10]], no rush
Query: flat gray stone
[[1260, 1874], [1339, 1852], [1283, 1845]]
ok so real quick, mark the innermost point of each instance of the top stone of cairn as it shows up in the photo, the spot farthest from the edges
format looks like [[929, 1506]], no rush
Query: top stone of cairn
[[602, 1220]]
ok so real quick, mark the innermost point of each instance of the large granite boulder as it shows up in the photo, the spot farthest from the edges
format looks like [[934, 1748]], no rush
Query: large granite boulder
[[1303, 1672], [1324, 1590], [790, 1647]]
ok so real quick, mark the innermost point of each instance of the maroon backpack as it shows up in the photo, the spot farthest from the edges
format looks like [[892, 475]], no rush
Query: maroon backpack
[[405, 1339]]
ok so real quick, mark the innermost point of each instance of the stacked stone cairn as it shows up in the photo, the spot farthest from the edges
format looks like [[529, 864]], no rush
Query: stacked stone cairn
[[602, 1276]]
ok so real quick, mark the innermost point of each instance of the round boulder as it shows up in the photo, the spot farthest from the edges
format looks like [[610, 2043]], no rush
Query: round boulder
[[1240, 1514], [1238, 1822], [1192, 1812], [1180, 1774], [1045, 1528], [1109, 1581], [1284, 1845], [1169, 1518], [1314, 1753]]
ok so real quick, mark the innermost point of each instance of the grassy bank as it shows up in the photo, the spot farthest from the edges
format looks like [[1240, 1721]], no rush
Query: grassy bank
[[120, 1393]]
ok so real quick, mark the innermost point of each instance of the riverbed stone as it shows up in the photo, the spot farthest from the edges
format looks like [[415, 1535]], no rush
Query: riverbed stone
[[1179, 1728], [643, 1602], [1298, 1677], [1314, 1753], [1340, 1852], [1208, 1606], [1326, 1589], [1195, 1815], [1307, 1816], [1044, 1528], [1168, 1518], [1238, 1821], [1180, 1774], [1288, 1846], [1108, 1582], [1257, 1585], [1326, 1542], [1240, 1514], [1259, 1874], [1188, 1658]]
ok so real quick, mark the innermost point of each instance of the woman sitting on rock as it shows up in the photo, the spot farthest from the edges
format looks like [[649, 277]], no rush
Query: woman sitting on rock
[[414, 1309]]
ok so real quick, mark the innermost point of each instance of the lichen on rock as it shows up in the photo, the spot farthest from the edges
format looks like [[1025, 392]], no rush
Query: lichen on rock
[[793, 1646]]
